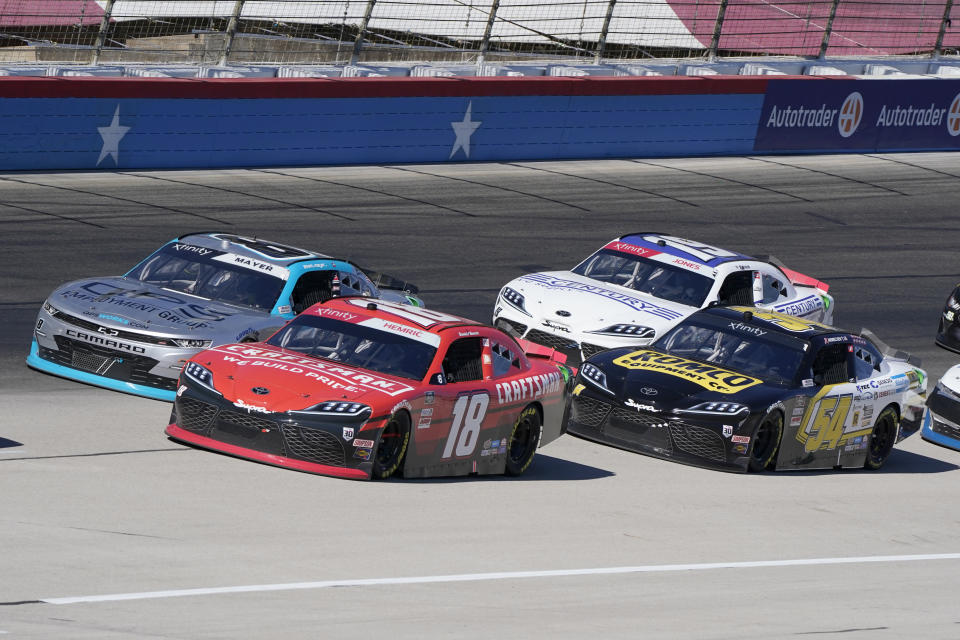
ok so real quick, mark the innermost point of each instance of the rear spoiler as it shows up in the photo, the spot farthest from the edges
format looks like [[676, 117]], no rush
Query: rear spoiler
[[888, 351], [383, 281], [796, 277], [534, 350]]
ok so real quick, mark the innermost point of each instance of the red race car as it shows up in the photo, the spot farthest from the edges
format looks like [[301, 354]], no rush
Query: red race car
[[358, 388]]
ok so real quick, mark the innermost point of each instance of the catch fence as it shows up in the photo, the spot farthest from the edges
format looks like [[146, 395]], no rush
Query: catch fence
[[465, 31]]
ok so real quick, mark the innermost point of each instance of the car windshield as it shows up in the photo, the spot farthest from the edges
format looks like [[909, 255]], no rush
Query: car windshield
[[649, 276], [771, 361], [199, 273], [356, 345]]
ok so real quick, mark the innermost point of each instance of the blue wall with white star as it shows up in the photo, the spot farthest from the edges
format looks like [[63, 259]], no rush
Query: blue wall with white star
[[142, 123], [181, 133]]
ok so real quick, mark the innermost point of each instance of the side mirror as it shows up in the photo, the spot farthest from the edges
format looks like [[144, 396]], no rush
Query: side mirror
[[438, 378]]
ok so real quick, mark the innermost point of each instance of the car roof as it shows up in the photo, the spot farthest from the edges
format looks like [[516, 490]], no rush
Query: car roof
[[252, 247], [395, 313], [767, 320], [663, 243]]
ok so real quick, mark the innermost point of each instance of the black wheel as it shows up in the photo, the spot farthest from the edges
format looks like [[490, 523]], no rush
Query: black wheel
[[766, 442], [523, 442], [393, 446], [882, 438]]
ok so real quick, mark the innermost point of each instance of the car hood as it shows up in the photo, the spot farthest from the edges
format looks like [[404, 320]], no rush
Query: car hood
[[651, 377], [127, 304], [951, 379], [568, 299], [293, 381]]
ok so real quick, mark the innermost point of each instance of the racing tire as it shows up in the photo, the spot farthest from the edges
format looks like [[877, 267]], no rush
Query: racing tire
[[766, 442], [392, 448], [523, 441], [882, 439]]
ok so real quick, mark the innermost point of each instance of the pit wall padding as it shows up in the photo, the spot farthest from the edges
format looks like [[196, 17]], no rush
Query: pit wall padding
[[139, 123]]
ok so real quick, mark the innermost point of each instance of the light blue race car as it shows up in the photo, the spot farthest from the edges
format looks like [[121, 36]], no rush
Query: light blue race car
[[134, 332]]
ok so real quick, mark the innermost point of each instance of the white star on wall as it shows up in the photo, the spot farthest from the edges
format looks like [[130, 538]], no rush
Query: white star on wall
[[464, 129], [112, 136]]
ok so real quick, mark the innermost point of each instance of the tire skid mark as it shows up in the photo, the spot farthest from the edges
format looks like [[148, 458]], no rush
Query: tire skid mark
[[45, 213], [910, 164], [94, 455], [599, 181], [827, 173], [237, 192], [117, 198], [489, 186], [730, 180], [368, 190]]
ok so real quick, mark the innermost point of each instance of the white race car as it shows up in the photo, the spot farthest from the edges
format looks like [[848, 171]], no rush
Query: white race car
[[941, 424], [637, 287]]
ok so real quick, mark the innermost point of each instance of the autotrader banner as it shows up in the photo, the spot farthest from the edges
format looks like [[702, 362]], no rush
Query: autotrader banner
[[860, 115]]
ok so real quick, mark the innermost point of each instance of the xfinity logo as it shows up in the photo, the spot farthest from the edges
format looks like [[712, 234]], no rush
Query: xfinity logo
[[192, 248], [739, 326]]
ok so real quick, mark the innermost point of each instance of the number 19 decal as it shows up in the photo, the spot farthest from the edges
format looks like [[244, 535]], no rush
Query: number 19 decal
[[468, 414]]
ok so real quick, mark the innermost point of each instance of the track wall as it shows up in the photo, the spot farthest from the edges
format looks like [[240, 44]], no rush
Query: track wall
[[136, 123]]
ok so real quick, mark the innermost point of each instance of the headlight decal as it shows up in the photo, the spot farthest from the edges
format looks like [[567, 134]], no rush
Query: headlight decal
[[593, 374], [199, 374], [514, 298]]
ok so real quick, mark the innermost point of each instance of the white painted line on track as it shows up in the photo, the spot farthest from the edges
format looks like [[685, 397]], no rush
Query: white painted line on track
[[504, 575]]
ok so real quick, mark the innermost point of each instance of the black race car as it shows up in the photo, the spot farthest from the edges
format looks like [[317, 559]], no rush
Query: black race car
[[740, 389], [948, 333]]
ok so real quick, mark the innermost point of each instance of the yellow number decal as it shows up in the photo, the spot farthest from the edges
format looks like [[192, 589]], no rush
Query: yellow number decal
[[826, 428], [790, 323]]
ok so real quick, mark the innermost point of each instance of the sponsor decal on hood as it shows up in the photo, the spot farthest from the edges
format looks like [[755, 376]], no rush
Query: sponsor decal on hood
[[635, 303], [706, 375], [330, 374]]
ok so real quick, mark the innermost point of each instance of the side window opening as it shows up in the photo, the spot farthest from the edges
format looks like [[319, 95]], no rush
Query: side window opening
[[866, 363], [463, 360], [773, 290], [737, 289], [503, 360], [311, 288], [830, 365]]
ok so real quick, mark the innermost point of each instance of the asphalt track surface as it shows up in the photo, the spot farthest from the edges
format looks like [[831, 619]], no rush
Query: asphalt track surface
[[110, 530]]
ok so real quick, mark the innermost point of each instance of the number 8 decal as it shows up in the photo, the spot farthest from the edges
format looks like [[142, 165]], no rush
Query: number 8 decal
[[469, 418]]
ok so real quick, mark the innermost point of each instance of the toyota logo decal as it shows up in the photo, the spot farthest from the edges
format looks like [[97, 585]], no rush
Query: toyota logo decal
[[648, 391], [260, 391], [563, 314]]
